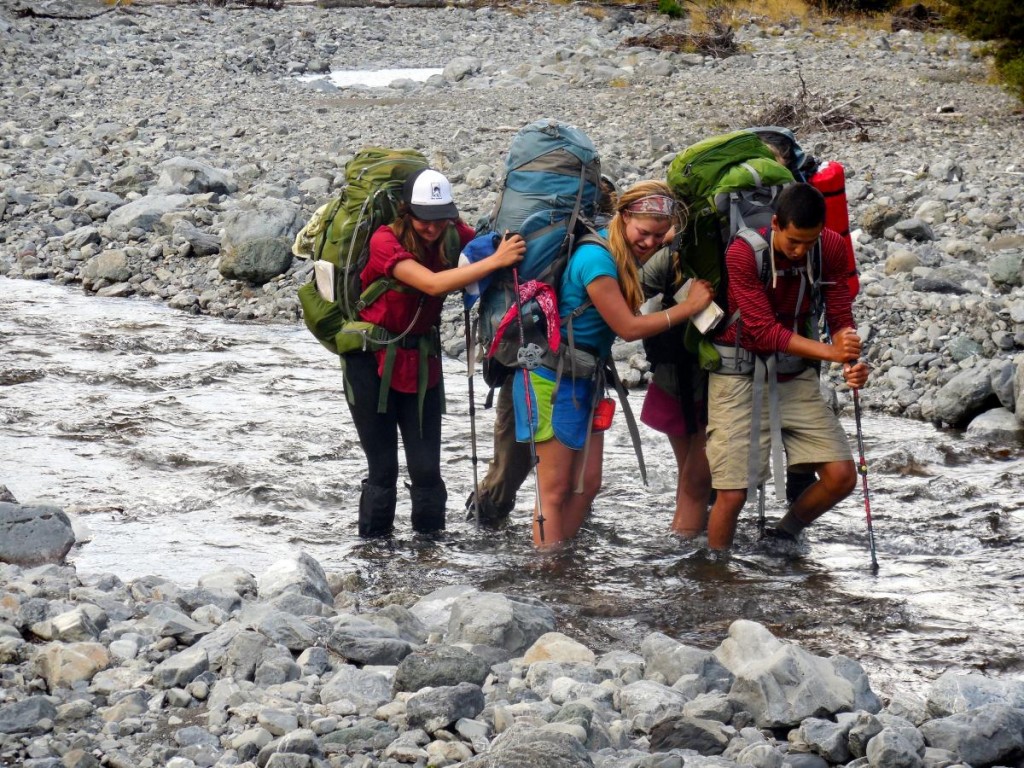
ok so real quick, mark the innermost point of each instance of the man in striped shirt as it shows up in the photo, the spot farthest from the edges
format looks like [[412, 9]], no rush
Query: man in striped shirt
[[773, 304]]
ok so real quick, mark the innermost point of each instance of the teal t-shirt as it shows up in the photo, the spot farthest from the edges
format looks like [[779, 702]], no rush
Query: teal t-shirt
[[589, 262]]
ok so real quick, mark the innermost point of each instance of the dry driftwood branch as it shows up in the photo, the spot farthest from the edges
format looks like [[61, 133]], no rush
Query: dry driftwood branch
[[811, 110]]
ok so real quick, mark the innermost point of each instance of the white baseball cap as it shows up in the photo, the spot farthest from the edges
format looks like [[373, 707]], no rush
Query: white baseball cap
[[429, 196]]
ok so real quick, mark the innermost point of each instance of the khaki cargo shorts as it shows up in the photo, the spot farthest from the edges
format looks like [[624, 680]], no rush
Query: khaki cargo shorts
[[811, 432]]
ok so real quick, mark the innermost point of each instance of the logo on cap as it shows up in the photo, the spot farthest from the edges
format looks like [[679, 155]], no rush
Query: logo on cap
[[435, 191]]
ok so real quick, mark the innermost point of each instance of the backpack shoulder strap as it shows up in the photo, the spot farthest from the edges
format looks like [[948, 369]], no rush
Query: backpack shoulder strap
[[759, 245]]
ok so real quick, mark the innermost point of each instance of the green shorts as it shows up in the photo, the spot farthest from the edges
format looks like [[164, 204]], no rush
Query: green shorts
[[811, 432]]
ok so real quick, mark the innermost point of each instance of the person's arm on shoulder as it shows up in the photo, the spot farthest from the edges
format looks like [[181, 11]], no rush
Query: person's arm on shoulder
[[409, 271]]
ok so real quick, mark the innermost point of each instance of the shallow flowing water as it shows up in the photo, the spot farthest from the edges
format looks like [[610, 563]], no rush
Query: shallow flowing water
[[181, 444]]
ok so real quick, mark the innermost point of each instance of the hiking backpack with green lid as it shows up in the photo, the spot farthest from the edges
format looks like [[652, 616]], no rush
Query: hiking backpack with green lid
[[728, 183], [338, 235]]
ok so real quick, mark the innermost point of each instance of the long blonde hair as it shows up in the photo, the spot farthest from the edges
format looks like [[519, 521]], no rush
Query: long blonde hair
[[625, 262]]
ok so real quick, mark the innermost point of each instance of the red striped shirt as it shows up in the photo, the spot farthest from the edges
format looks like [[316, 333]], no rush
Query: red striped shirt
[[768, 315]]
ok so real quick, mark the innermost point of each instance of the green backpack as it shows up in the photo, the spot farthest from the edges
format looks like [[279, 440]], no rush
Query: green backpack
[[728, 183], [337, 239]]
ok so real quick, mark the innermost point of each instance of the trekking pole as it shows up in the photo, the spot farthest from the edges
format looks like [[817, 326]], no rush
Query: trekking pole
[[470, 366], [528, 359], [760, 510], [862, 468]]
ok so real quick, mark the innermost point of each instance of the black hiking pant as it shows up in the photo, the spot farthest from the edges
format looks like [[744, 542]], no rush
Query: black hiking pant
[[378, 432]]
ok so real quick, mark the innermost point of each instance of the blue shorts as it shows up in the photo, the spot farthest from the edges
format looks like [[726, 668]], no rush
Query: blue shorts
[[566, 417]]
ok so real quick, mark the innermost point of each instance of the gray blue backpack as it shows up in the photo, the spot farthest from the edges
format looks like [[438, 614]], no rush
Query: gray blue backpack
[[549, 196]]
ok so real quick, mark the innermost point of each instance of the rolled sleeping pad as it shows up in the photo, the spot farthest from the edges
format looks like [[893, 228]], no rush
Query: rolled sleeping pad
[[830, 180]]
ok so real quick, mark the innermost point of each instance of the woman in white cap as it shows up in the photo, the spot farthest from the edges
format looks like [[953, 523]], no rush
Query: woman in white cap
[[601, 292], [398, 387]]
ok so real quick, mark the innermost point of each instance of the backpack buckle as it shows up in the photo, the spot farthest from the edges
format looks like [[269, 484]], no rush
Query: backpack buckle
[[529, 356]]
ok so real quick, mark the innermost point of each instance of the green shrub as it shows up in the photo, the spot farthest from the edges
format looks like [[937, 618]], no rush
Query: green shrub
[[1000, 21], [671, 8], [1010, 63], [853, 6], [987, 19]]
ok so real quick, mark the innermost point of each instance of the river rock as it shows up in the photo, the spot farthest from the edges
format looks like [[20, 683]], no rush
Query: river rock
[[526, 747], [439, 665], [365, 642], [963, 396], [435, 609], [554, 646], [34, 714], [877, 218], [778, 683], [301, 574], [32, 535], [1006, 270], [1018, 388], [256, 260], [982, 736], [493, 619], [954, 693], [889, 749], [364, 690], [668, 660], [703, 736], [144, 214], [902, 261], [998, 426], [182, 175], [439, 707]]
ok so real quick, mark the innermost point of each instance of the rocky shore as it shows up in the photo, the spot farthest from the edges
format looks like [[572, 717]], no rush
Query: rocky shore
[[172, 152], [291, 669]]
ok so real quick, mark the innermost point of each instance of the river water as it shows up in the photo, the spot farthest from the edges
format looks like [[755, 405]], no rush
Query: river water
[[180, 444]]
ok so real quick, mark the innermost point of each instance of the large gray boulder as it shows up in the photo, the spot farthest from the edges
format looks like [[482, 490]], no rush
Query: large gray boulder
[[268, 218], [489, 618], [27, 715], [963, 397], [435, 609], [778, 683], [997, 426], [31, 535], [526, 747], [109, 265], [145, 212], [439, 665], [301, 574], [984, 736], [186, 176], [363, 689], [256, 261], [666, 660], [955, 692], [437, 708]]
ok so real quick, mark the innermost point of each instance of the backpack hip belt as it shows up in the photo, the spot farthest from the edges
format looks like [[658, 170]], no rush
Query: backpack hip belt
[[737, 361], [577, 362]]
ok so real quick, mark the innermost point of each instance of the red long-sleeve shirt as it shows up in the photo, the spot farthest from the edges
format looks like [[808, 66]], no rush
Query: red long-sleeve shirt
[[395, 310], [768, 315]]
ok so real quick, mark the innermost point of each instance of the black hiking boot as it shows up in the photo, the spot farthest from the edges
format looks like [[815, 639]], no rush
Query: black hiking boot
[[491, 515], [376, 510], [777, 534], [428, 505]]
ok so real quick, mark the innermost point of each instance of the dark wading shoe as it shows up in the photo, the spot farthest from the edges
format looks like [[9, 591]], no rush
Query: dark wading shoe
[[428, 508], [491, 515], [376, 510]]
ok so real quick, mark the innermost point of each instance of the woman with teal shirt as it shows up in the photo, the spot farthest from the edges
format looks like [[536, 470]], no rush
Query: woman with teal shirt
[[599, 299]]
